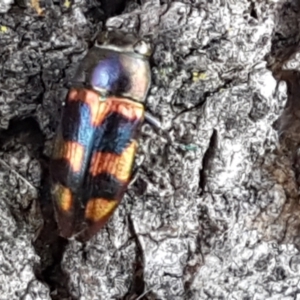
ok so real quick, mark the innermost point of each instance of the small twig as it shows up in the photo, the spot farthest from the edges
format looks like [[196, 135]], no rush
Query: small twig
[[36, 5], [145, 293], [18, 174]]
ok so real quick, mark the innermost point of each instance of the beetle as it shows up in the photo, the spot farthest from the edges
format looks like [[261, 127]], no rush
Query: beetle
[[95, 144]]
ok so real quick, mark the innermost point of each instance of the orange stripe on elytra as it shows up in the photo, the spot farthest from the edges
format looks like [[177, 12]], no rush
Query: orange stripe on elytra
[[127, 108], [99, 208], [63, 196], [98, 107], [73, 152], [117, 165]]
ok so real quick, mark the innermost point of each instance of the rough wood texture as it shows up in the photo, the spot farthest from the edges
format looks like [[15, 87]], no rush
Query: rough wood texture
[[215, 214]]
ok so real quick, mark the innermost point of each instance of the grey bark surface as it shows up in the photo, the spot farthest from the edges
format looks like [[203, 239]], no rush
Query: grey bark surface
[[215, 214]]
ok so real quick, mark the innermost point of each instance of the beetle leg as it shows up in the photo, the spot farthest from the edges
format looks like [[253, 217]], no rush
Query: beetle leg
[[135, 171], [134, 176], [151, 120], [155, 123]]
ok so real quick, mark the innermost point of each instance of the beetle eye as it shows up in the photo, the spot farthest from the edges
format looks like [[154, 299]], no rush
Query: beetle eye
[[142, 47]]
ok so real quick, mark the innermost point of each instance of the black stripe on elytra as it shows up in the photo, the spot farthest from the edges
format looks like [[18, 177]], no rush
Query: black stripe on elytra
[[62, 173], [76, 123], [115, 134], [105, 186]]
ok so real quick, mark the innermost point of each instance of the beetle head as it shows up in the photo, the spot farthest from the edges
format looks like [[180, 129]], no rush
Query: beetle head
[[123, 42]]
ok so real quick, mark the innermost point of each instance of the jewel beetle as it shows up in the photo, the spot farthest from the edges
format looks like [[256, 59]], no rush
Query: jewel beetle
[[95, 144]]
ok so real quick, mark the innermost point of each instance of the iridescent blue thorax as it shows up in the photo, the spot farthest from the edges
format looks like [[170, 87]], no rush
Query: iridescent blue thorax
[[107, 73], [118, 65]]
